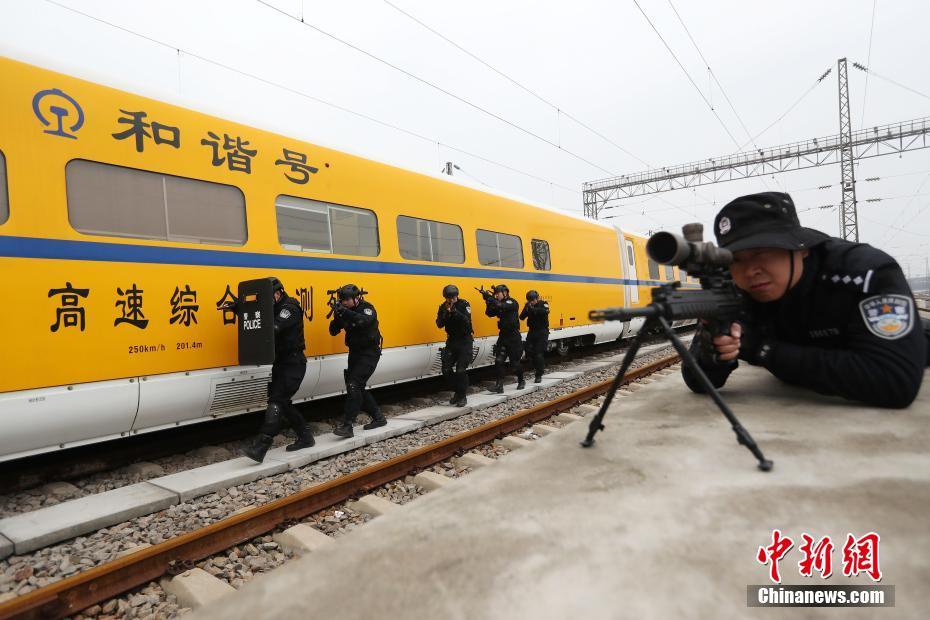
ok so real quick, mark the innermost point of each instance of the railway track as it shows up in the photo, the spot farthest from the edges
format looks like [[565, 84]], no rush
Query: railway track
[[73, 594]]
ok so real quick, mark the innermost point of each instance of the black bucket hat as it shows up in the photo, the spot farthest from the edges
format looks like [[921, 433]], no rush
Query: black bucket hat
[[766, 220]]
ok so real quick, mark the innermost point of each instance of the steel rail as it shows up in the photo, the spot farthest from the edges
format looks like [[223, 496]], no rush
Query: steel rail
[[71, 595]]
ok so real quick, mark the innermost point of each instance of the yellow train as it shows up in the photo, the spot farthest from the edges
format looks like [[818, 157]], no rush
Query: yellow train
[[126, 222]]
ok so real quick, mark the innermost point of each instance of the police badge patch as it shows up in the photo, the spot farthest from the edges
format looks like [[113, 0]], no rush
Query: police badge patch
[[888, 316], [285, 313], [368, 311]]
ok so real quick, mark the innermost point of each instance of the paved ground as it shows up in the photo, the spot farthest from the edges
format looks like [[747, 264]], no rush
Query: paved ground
[[663, 518]]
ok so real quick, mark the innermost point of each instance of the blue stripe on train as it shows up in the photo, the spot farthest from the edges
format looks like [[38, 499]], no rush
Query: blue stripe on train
[[31, 247]]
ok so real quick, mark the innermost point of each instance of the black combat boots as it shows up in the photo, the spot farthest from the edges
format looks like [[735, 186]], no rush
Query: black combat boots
[[538, 378], [498, 387], [344, 430], [259, 448], [459, 400], [521, 383], [304, 439], [377, 420]]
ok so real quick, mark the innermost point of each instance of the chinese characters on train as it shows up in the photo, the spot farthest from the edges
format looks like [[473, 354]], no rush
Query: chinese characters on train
[[230, 151], [138, 127], [129, 302], [69, 311]]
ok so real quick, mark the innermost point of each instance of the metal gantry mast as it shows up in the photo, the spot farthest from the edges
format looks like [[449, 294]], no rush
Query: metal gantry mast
[[849, 225], [845, 148], [864, 143]]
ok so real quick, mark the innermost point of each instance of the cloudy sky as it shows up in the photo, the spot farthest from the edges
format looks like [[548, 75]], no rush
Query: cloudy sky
[[502, 88]]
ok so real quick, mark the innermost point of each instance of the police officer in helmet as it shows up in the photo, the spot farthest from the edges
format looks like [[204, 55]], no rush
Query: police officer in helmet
[[536, 315], [454, 315], [509, 344], [831, 315], [360, 321], [287, 373]]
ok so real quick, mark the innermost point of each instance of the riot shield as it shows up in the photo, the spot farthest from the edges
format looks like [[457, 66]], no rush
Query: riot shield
[[256, 322]]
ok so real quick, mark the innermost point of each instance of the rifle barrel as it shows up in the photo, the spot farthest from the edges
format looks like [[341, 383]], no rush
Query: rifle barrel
[[621, 314]]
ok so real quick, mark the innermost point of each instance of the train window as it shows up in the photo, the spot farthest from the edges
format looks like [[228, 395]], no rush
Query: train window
[[315, 226], [111, 200], [541, 259], [499, 249], [428, 240], [4, 201], [653, 270], [669, 272]]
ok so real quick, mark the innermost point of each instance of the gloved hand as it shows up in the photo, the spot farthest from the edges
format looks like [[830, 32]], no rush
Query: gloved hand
[[716, 350], [756, 342]]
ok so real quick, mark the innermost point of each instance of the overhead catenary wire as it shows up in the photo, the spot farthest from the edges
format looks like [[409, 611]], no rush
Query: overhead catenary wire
[[870, 71], [790, 108], [434, 86], [713, 75], [310, 97], [688, 75], [559, 110], [711, 72], [904, 228], [868, 60]]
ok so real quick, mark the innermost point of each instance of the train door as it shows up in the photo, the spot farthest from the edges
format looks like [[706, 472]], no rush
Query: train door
[[625, 267], [631, 260]]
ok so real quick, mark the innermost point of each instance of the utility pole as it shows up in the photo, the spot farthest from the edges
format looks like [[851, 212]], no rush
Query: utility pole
[[849, 221]]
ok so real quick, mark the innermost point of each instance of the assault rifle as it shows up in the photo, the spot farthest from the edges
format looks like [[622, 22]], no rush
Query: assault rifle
[[333, 301], [717, 304], [484, 292]]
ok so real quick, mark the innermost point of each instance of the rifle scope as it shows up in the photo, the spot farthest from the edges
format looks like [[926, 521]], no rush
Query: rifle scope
[[691, 250]]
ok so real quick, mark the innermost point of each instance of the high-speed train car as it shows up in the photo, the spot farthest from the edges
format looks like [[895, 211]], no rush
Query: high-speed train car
[[126, 223]]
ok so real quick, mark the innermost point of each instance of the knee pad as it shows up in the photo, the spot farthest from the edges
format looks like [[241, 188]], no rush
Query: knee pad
[[274, 411]]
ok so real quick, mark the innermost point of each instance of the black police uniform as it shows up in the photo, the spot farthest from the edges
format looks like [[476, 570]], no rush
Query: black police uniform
[[287, 373], [509, 344], [848, 327], [537, 339], [457, 354], [364, 341]]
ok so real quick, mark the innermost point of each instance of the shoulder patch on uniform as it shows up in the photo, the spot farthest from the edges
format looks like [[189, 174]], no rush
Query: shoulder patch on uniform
[[285, 313], [888, 316], [368, 311], [467, 308]]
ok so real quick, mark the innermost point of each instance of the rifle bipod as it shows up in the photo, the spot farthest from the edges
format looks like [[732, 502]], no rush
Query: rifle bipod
[[655, 319]]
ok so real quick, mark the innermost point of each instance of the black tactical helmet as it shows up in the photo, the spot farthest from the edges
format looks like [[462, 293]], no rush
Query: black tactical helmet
[[532, 295], [450, 291], [501, 288], [276, 285], [349, 291]]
